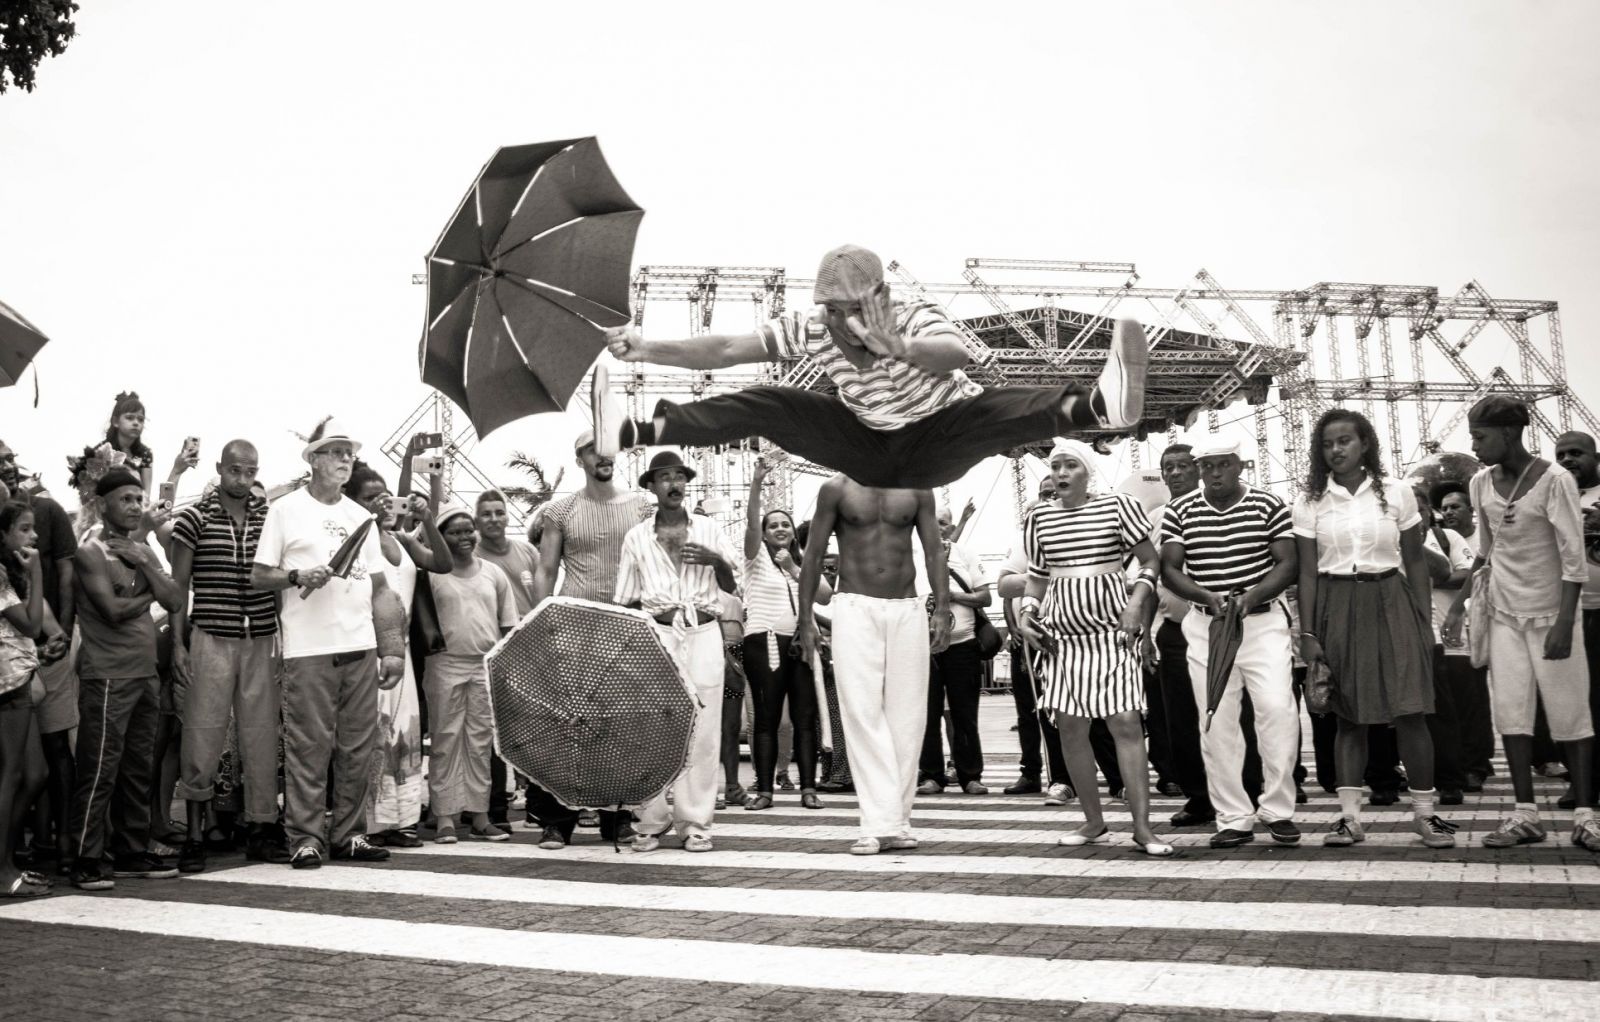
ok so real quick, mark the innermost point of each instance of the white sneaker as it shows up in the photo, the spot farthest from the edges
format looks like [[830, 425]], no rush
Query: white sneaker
[[1058, 794], [898, 844], [607, 416], [865, 846], [1122, 378], [697, 843], [646, 842]]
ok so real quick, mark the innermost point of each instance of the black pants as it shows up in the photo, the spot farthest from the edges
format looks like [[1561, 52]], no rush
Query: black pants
[[1185, 765], [769, 688], [547, 811], [930, 452], [1034, 730], [1471, 686], [954, 676], [1158, 740], [1446, 724], [1383, 755]]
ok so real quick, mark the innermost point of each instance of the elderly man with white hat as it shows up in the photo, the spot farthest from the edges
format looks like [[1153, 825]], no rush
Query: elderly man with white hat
[[905, 414], [344, 635], [1230, 540]]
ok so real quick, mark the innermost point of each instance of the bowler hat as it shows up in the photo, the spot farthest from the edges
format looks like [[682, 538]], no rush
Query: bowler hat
[[664, 459]]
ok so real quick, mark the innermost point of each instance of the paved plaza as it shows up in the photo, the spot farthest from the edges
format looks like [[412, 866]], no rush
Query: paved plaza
[[988, 920]]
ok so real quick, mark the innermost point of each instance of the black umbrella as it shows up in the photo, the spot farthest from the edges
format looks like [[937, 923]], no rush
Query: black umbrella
[[20, 341], [1227, 632], [532, 267]]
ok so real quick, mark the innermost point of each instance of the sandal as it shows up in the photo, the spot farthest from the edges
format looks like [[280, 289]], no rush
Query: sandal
[[22, 887], [759, 802], [37, 879], [810, 800], [1155, 849]]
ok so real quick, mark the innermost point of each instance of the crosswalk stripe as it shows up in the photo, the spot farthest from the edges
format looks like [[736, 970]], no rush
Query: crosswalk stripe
[[1209, 867], [1491, 815], [990, 836], [1392, 921], [1168, 984]]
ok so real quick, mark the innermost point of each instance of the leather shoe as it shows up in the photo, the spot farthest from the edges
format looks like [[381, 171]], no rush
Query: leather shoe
[[1451, 797], [1024, 786], [1232, 838], [1190, 818], [1384, 798], [1474, 782]]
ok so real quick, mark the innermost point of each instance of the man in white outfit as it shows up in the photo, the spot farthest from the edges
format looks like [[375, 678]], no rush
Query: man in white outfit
[[881, 641], [674, 567], [1229, 538]]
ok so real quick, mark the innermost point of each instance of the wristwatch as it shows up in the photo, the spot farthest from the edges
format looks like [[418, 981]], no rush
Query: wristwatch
[[294, 576]]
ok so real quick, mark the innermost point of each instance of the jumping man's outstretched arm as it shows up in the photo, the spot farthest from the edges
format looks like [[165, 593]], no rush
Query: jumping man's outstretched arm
[[708, 351]]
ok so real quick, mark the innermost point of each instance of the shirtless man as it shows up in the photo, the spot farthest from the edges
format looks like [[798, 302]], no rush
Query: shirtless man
[[881, 641]]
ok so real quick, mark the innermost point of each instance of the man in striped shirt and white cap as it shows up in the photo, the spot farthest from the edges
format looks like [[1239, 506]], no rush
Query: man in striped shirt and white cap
[[905, 414], [1229, 538]]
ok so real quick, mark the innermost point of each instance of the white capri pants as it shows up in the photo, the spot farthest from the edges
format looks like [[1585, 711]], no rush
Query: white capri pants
[[1519, 676]]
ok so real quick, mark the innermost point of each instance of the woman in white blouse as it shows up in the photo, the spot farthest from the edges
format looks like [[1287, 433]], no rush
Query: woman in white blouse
[[775, 671], [1365, 609]]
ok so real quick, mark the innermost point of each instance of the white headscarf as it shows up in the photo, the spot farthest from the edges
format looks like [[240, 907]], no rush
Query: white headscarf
[[1085, 454]]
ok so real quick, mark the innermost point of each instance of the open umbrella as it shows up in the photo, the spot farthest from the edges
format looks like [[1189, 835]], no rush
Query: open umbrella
[[344, 558], [1227, 632], [20, 341], [588, 703], [533, 265]]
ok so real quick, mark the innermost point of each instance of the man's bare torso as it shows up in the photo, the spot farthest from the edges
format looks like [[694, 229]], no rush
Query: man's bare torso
[[875, 527]]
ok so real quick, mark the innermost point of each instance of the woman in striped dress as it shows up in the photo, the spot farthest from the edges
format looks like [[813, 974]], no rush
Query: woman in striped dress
[[1083, 614]]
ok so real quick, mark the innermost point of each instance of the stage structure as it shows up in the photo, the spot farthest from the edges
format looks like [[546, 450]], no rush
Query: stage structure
[[1040, 321]]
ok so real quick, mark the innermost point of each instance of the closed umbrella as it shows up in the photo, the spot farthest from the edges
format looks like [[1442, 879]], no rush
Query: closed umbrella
[[532, 267], [589, 704], [1227, 632], [344, 559]]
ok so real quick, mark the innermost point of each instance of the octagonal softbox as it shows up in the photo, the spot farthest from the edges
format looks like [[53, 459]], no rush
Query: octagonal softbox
[[589, 704]]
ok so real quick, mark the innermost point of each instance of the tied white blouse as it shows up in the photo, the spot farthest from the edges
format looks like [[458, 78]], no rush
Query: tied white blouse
[[1354, 532]]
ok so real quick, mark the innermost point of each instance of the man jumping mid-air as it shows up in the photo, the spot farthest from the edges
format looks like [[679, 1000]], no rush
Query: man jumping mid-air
[[905, 414]]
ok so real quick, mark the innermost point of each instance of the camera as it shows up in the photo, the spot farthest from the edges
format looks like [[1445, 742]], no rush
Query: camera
[[398, 507], [427, 465]]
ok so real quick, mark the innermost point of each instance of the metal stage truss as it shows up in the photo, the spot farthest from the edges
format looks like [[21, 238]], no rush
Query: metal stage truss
[[1422, 354]]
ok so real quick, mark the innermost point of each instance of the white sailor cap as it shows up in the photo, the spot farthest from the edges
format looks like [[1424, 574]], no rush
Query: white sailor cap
[[1215, 445]]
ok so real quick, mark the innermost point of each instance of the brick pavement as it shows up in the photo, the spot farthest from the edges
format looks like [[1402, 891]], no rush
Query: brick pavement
[[208, 948]]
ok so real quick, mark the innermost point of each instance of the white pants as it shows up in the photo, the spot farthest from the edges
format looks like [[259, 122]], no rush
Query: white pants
[[1520, 676], [1264, 668], [880, 664], [694, 793]]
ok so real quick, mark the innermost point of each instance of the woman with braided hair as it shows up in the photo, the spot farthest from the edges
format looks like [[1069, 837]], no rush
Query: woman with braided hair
[[1366, 611], [123, 445]]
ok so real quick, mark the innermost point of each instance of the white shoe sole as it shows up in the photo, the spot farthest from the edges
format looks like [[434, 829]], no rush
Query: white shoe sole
[[1122, 379], [604, 413], [1078, 840], [866, 849]]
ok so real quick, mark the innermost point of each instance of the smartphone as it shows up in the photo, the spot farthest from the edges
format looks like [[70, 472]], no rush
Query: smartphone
[[168, 493], [427, 465], [428, 441], [191, 445]]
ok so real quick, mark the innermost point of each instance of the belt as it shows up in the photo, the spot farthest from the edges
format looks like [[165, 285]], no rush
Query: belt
[[1253, 611], [1362, 576], [1085, 570], [698, 618]]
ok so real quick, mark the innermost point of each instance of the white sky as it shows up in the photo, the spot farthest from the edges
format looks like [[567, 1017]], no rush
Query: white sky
[[221, 205]]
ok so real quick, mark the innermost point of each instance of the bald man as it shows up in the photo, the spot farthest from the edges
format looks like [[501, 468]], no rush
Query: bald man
[[1576, 453], [223, 659]]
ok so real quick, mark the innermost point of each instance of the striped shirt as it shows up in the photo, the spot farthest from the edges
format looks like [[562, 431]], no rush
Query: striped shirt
[[591, 540], [647, 576], [1227, 550], [1102, 529], [225, 607], [891, 392], [769, 596]]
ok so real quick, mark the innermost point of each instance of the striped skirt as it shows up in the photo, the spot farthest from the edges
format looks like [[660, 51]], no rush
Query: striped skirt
[[1091, 674], [1379, 647]]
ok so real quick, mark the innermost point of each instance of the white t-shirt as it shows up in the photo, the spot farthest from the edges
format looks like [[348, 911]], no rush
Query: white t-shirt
[[1461, 555], [1591, 551], [302, 532], [962, 560]]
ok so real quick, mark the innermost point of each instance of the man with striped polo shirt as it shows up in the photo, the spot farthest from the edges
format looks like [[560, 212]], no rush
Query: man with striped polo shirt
[[675, 567], [582, 540], [905, 414], [227, 664], [1230, 539]]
